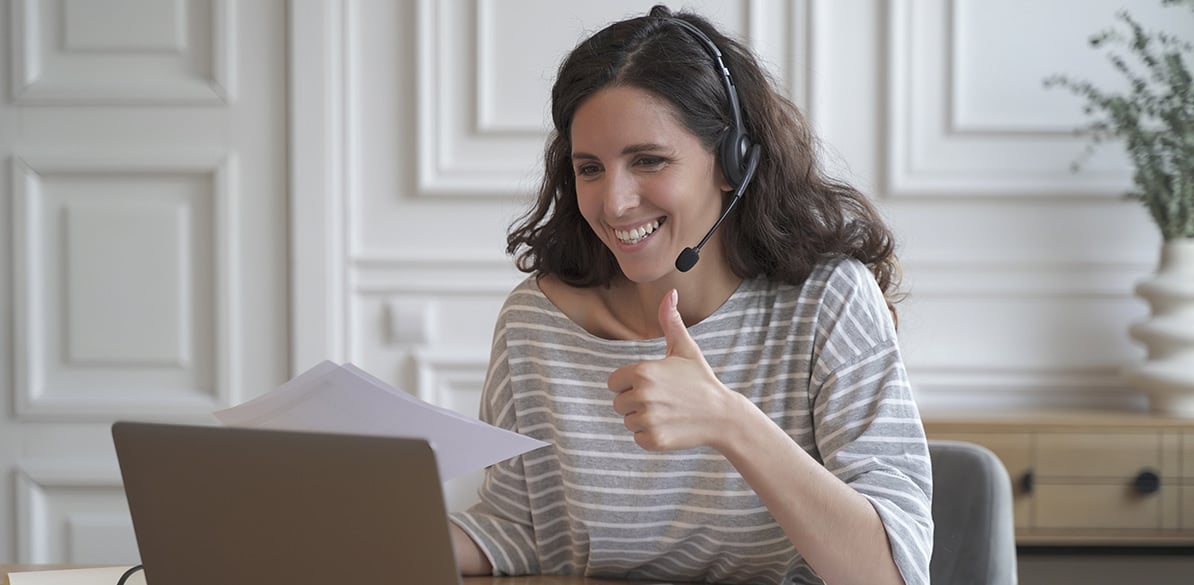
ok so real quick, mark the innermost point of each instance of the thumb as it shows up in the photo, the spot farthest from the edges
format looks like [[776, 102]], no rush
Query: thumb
[[679, 342]]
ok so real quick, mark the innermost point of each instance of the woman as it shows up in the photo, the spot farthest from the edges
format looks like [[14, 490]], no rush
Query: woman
[[772, 440]]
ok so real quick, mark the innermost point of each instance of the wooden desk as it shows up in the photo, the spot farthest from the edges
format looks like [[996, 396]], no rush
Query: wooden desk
[[533, 580], [546, 580]]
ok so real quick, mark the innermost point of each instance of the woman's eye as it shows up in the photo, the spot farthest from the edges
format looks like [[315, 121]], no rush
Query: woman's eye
[[587, 170], [649, 161]]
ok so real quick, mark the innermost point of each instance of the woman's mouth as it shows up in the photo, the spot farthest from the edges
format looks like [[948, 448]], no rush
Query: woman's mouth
[[635, 235]]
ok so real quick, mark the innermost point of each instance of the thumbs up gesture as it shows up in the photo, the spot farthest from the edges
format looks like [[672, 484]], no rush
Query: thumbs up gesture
[[676, 402]]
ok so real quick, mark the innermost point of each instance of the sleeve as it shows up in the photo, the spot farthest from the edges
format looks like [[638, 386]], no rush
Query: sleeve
[[867, 424], [500, 522]]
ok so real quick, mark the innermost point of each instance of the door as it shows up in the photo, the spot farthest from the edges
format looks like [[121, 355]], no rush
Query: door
[[144, 228]]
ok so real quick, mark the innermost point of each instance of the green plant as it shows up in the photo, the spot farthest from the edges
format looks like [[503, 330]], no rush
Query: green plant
[[1154, 118]]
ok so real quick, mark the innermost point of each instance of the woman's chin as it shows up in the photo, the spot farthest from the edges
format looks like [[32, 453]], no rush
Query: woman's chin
[[644, 272]]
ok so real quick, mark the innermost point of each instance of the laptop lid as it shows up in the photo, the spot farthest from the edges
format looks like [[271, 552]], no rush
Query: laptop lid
[[236, 505]]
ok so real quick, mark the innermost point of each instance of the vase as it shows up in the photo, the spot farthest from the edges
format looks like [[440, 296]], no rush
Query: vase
[[1166, 375]]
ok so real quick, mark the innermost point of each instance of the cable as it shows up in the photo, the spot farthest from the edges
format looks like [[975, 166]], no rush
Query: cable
[[129, 573]]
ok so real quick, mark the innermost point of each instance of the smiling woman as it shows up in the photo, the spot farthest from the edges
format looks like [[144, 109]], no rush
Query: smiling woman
[[745, 421]]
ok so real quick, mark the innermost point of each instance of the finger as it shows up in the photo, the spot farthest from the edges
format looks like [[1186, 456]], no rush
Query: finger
[[622, 379], [679, 342], [624, 405]]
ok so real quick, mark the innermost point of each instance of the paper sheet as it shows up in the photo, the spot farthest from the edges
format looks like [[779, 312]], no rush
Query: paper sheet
[[344, 399], [98, 576]]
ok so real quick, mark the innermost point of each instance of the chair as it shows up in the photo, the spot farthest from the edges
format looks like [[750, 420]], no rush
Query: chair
[[974, 541]]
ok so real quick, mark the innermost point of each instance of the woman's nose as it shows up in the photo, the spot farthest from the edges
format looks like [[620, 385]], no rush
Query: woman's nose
[[621, 195]]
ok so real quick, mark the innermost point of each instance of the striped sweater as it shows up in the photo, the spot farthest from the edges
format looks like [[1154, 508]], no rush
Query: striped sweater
[[820, 359]]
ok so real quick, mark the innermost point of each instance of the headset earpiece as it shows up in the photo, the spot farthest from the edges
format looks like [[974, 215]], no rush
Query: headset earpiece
[[732, 151], [734, 145]]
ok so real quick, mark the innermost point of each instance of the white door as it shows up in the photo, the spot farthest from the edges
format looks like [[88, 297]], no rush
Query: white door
[[143, 226]]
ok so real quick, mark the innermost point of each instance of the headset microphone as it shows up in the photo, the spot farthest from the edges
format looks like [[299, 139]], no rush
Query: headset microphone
[[738, 154], [688, 258]]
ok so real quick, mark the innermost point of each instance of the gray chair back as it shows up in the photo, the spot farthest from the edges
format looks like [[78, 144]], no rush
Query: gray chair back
[[974, 540]]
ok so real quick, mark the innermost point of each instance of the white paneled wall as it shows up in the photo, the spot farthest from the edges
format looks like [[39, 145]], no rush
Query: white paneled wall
[[143, 273], [1019, 271], [145, 168]]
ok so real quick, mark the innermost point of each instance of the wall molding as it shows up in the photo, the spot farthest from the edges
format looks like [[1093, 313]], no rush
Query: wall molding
[[440, 376], [319, 154], [1009, 280], [958, 122], [35, 484], [35, 84], [459, 155], [381, 273], [35, 399], [952, 388], [485, 73], [783, 33], [927, 157]]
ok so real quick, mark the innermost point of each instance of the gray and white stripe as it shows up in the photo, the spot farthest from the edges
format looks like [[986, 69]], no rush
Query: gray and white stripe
[[820, 359]]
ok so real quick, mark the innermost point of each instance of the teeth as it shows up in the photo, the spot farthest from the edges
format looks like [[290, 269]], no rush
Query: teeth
[[636, 235]]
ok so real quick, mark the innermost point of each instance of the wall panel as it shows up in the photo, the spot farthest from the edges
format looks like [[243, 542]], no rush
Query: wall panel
[[85, 229], [80, 52], [73, 514]]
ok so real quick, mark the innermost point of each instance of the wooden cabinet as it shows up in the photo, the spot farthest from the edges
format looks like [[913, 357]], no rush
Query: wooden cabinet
[[1089, 478]]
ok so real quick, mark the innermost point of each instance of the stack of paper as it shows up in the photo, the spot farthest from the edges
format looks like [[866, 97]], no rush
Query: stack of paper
[[345, 399]]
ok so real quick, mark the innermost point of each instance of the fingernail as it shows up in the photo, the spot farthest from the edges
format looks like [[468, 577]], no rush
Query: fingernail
[[675, 300]]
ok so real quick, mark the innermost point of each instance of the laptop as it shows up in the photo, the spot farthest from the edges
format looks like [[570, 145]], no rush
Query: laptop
[[233, 505]]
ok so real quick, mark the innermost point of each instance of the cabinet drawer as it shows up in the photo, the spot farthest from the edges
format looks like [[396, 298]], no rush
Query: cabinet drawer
[[1187, 457], [1015, 451], [1099, 507], [1187, 507], [1097, 455]]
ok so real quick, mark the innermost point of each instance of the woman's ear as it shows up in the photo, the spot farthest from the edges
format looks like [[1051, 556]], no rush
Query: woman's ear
[[722, 183]]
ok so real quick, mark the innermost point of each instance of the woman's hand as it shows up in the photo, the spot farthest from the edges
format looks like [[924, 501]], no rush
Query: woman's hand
[[676, 402]]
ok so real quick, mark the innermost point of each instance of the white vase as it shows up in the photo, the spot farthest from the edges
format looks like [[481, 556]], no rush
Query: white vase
[[1167, 373]]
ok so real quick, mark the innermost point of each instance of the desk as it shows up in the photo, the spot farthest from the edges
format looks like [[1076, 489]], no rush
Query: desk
[[548, 580], [533, 580]]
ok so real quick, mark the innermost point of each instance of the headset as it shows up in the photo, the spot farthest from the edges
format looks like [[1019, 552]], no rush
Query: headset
[[739, 155]]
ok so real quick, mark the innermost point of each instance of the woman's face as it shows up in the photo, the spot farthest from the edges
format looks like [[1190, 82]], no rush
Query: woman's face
[[644, 183]]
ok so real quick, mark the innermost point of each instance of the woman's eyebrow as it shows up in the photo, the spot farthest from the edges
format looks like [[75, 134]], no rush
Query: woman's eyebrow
[[630, 149], [645, 147]]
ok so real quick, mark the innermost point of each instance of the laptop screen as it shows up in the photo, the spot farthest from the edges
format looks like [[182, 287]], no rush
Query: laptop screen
[[236, 505]]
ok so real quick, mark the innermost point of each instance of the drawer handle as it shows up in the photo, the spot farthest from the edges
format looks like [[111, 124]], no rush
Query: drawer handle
[[1147, 482], [1026, 482]]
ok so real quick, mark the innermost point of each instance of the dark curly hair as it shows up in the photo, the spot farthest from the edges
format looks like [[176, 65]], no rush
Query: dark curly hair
[[792, 214]]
